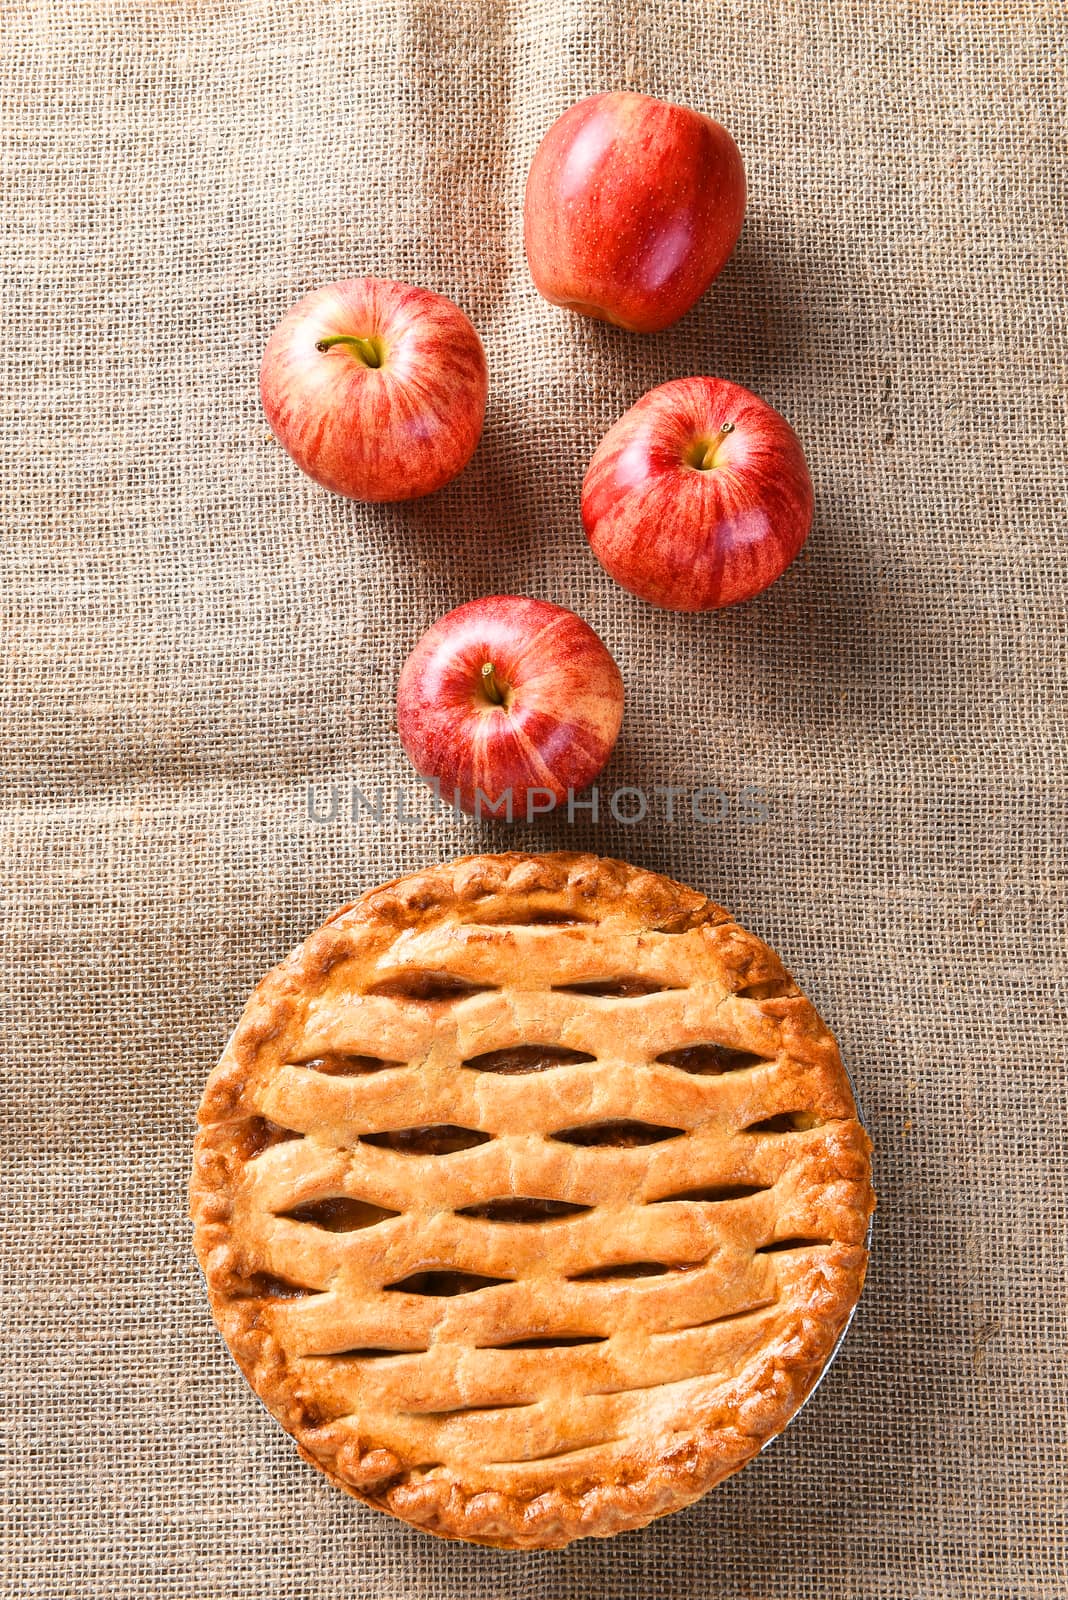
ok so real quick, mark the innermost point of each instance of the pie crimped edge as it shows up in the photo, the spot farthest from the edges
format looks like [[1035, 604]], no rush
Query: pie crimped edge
[[505, 924]]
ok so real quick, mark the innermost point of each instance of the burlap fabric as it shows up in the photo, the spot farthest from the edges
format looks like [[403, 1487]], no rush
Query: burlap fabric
[[194, 631]]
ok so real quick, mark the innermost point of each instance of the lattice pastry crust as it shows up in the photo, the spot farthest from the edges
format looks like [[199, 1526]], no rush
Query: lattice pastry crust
[[530, 1197]]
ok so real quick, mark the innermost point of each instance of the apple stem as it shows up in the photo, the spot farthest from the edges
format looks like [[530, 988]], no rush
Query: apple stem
[[490, 687], [365, 349], [708, 460]]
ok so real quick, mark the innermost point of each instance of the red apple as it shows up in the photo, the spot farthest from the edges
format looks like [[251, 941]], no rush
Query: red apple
[[698, 496], [509, 696], [632, 207], [376, 389]]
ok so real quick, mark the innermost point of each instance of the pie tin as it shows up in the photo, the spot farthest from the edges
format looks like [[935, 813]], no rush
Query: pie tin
[[838, 1343]]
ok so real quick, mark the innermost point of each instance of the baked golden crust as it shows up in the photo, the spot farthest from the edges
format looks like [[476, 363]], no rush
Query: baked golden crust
[[530, 1197]]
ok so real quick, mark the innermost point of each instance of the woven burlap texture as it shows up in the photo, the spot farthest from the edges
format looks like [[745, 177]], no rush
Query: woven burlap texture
[[194, 632]]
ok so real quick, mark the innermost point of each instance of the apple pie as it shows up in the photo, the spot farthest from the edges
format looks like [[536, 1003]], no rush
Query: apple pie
[[531, 1197]]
